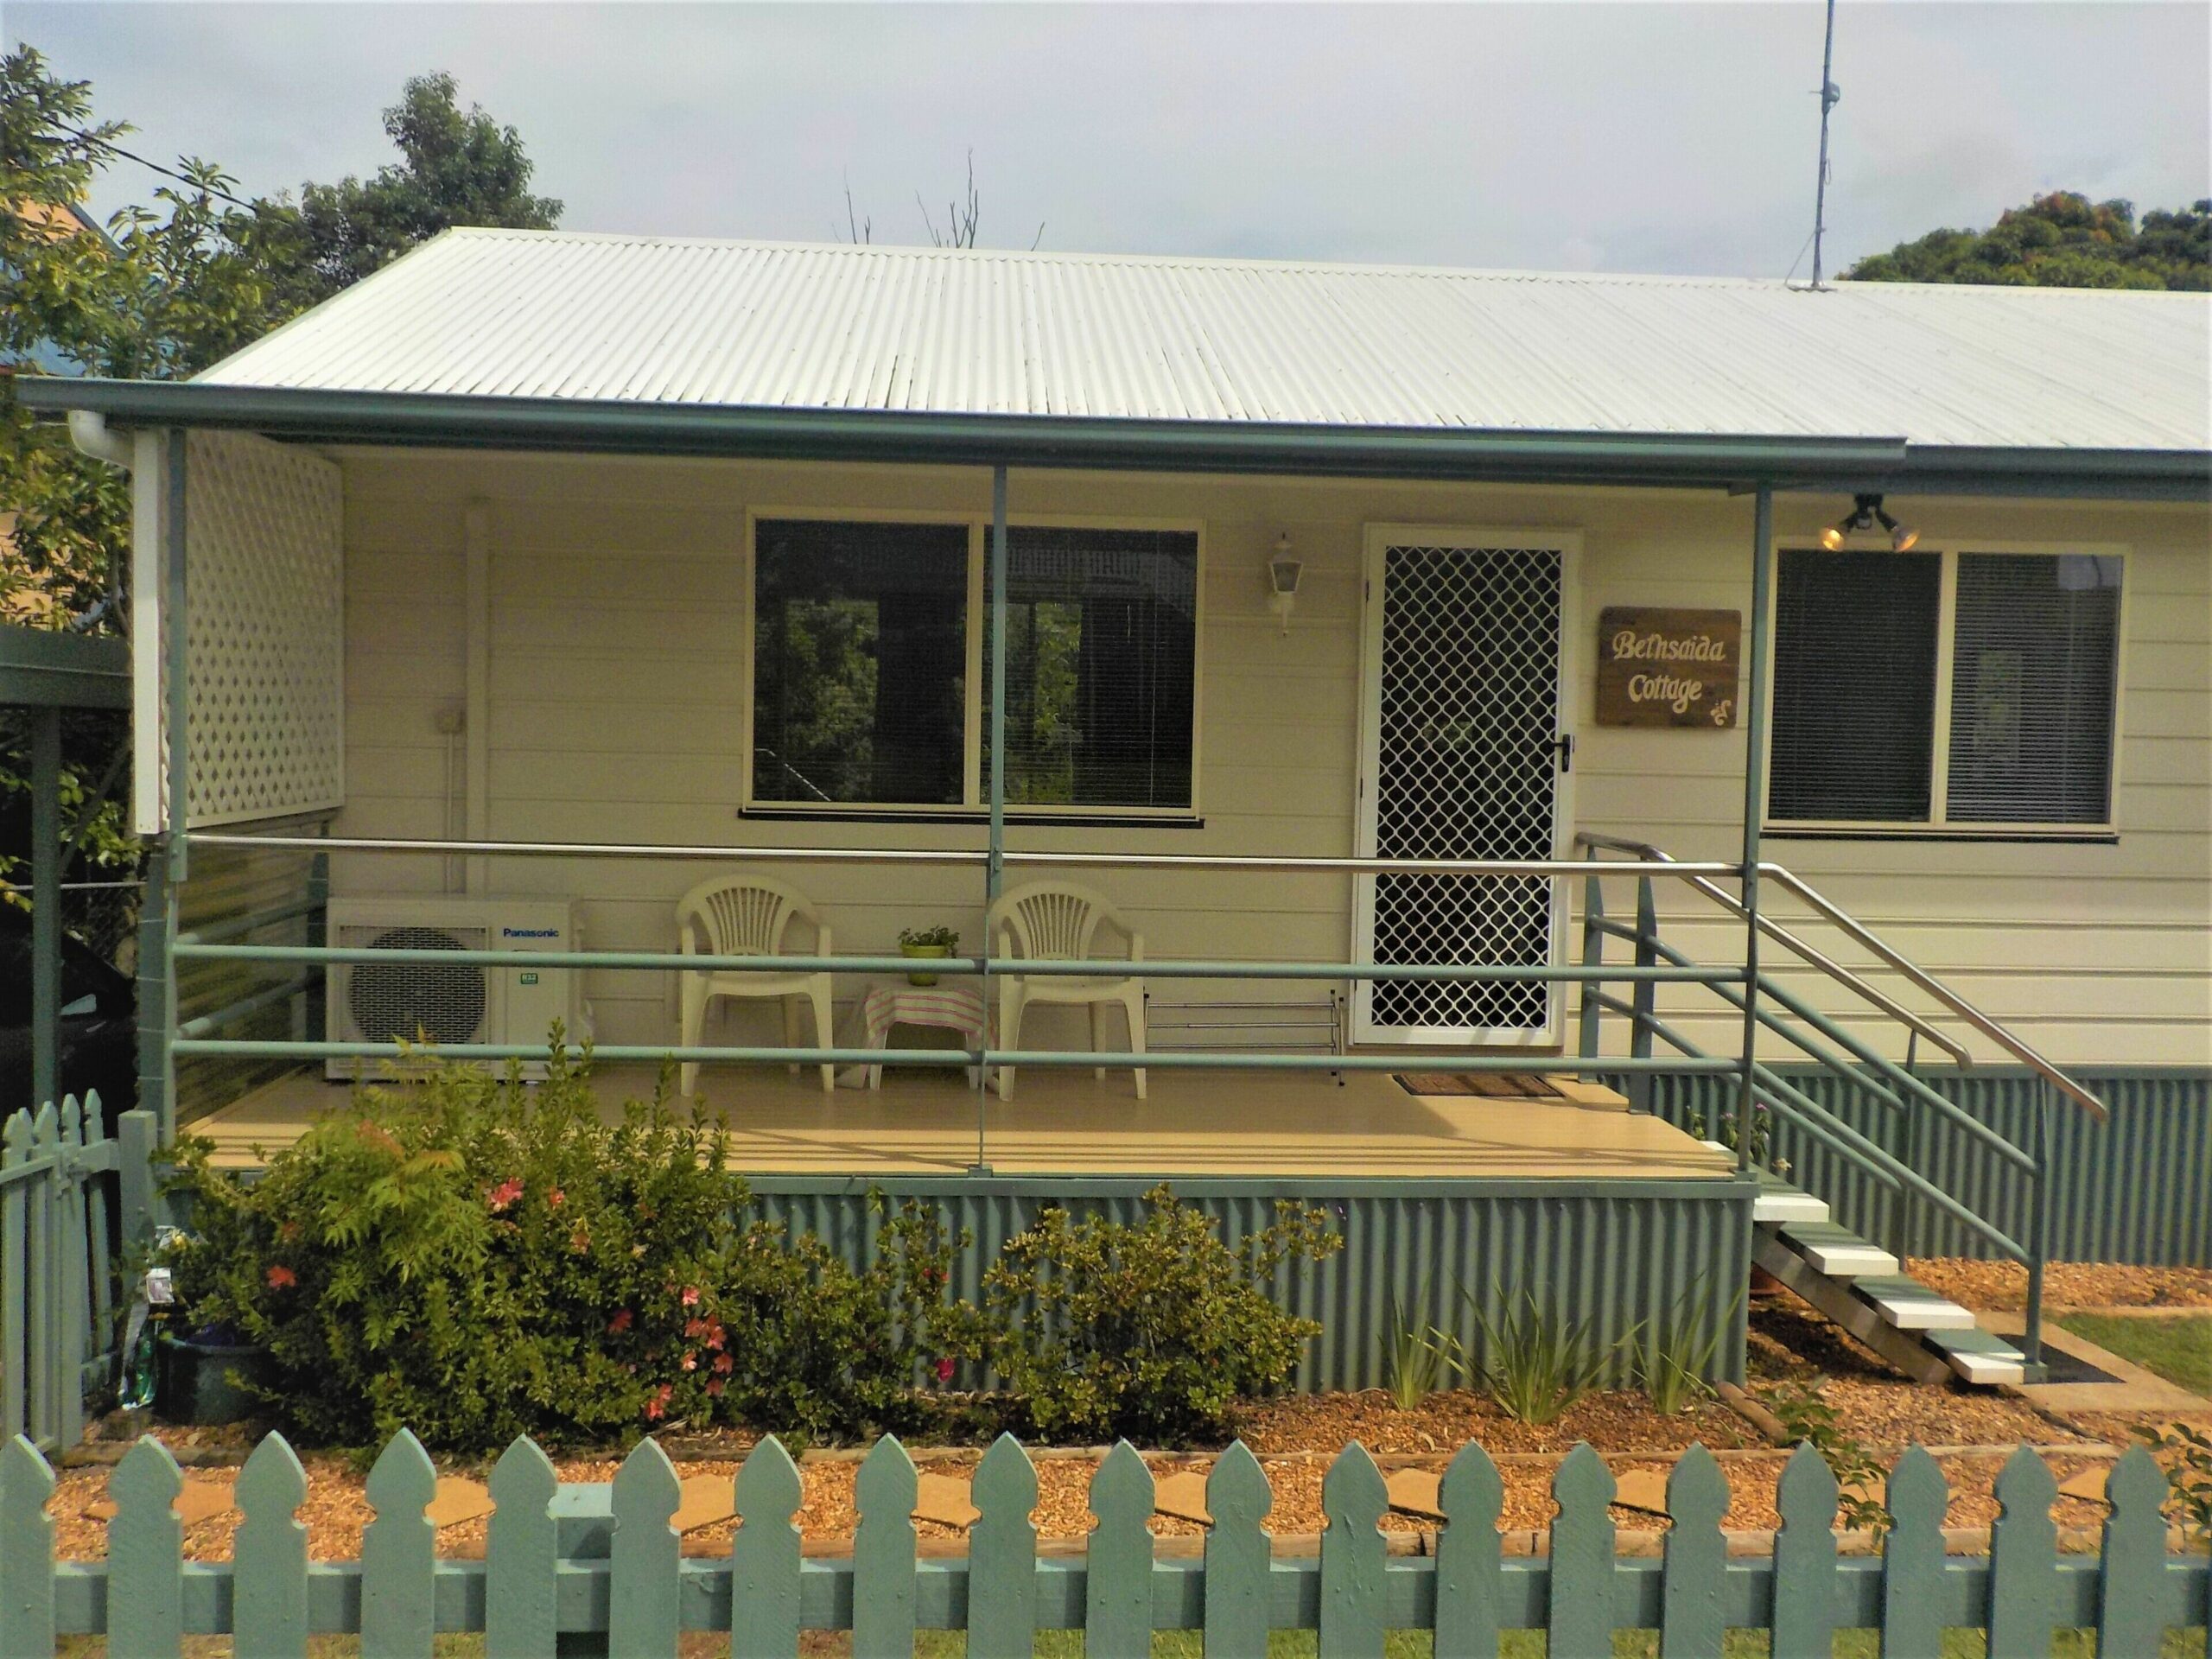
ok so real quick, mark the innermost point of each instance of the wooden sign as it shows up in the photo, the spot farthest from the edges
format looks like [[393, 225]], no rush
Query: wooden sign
[[1667, 668]]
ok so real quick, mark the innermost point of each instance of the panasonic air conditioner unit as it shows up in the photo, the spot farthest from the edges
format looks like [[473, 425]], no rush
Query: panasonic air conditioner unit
[[441, 1004]]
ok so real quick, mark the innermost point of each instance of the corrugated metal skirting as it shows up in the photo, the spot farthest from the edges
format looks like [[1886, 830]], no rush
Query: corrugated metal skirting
[[2137, 1190], [1616, 1253]]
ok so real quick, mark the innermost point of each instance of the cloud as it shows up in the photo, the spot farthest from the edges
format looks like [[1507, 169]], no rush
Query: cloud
[[1678, 137]]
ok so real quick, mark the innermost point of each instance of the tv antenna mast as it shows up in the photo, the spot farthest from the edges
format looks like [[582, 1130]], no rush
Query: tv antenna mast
[[1830, 95]]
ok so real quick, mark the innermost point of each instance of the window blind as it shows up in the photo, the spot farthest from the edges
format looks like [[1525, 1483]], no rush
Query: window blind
[[2033, 676], [1854, 686], [1102, 653]]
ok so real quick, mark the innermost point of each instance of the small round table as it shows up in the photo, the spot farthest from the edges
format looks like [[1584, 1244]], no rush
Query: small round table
[[888, 1002]]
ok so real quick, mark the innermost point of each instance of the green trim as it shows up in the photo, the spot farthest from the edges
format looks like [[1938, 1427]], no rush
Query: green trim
[[1047, 1187], [47, 667], [1694, 459]]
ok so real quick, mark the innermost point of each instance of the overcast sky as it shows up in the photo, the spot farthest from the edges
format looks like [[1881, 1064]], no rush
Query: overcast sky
[[1673, 137]]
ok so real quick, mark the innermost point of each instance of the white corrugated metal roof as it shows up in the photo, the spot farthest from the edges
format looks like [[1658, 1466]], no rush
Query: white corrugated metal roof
[[567, 315]]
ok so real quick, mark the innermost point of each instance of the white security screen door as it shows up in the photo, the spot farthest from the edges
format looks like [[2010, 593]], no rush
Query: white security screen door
[[1463, 755]]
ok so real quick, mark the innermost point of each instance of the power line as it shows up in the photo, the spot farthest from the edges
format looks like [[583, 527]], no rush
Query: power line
[[109, 145]]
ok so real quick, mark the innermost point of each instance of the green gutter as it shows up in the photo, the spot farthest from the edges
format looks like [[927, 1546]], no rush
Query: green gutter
[[342, 417], [1697, 459]]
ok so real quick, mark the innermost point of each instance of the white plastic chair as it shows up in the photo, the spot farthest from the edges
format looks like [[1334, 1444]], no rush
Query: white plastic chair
[[748, 915], [1050, 921]]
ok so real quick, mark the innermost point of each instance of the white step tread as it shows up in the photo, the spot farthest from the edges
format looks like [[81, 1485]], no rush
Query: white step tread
[[1777, 1201], [1980, 1357], [1837, 1251], [1911, 1305]]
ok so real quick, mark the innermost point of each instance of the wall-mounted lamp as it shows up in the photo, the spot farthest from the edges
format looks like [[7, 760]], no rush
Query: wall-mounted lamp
[[1283, 573], [1866, 513]]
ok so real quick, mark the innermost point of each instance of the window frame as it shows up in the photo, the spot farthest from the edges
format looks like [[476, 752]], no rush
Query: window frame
[[1939, 825], [974, 800]]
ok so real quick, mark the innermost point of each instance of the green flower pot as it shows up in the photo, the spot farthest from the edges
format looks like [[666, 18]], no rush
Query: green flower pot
[[201, 1384], [938, 951]]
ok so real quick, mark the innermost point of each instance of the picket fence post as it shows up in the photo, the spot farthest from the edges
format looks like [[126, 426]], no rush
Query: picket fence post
[[1237, 1559], [1469, 1555], [642, 1611], [27, 1624], [1117, 1558], [145, 1555], [765, 1557], [16, 1344], [1002, 1553], [399, 1553], [883, 1553], [2128, 1621], [1917, 1498], [1353, 1499], [1694, 1606], [2024, 1557], [1804, 1555], [522, 1549], [269, 1555], [1581, 1611]]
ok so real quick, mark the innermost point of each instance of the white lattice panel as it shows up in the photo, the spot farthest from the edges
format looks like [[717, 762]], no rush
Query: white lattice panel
[[264, 596], [1465, 767]]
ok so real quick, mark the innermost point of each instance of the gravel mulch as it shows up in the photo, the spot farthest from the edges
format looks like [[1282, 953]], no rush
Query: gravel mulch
[[1618, 1422], [2004, 1285]]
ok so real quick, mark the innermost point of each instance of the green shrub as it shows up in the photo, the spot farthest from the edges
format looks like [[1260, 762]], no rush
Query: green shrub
[[1150, 1330], [1861, 1481], [473, 1258]]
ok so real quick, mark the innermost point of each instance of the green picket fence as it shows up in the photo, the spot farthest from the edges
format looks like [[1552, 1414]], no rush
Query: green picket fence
[[537, 1586], [62, 1182]]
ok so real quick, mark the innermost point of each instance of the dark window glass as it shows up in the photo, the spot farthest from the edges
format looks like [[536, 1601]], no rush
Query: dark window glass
[[1854, 686], [2033, 674], [1101, 649], [859, 662]]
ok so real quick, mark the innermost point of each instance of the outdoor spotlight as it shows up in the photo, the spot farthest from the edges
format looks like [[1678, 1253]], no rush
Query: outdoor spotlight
[[1283, 573], [1866, 514]]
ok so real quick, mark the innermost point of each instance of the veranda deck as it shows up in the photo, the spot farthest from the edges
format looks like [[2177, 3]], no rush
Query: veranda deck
[[1065, 1122]]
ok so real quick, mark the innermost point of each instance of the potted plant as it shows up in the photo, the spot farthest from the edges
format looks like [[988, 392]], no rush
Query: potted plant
[[938, 941], [205, 1378]]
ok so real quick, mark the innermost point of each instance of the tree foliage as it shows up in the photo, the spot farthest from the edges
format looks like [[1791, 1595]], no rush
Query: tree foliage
[[454, 168], [2060, 240]]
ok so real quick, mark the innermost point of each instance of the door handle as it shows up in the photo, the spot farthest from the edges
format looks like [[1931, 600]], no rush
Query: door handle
[[1563, 746]]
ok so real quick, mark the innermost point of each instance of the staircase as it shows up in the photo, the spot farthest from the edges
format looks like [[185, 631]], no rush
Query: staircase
[[1859, 1285], [1864, 1289]]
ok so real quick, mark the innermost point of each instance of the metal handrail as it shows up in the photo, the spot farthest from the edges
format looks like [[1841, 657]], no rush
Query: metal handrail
[[1808, 953], [1684, 869], [1936, 988]]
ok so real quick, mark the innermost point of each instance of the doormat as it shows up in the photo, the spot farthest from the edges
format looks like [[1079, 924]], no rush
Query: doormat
[[1490, 1085]]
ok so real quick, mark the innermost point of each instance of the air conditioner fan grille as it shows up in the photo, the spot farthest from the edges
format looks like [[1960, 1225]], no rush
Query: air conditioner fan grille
[[410, 1001]]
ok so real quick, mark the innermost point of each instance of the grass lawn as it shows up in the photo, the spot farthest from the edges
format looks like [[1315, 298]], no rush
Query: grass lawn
[[2178, 1347]]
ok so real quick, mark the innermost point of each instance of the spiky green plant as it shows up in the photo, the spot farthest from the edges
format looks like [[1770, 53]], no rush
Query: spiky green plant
[[1537, 1366], [1418, 1359], [1677, 1353]]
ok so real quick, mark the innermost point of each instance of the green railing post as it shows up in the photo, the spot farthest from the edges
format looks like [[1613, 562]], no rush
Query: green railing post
[[2038, 1237], [1644, 995], [154, 966], [1593, 955], [995, 862], [1754, 810], [46, 905]]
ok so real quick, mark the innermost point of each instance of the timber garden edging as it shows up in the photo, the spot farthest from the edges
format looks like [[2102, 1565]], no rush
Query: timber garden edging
[[543, 1577]]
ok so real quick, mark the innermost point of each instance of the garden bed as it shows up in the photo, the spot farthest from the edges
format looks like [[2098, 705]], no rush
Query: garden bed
[[2003, 1286]]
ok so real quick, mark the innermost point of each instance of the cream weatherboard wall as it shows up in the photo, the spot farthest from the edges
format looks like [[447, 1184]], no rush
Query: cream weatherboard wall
[[609, 675]]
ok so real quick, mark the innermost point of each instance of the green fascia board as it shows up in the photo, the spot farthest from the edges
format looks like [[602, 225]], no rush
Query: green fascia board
[[46, 668], [1695, 460]]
